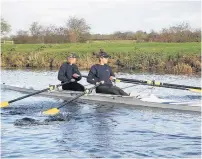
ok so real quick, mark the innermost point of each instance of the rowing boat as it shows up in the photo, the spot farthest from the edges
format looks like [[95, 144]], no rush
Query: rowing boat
[[116, 99]]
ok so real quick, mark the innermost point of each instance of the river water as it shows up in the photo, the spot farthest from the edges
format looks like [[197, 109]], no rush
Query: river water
[[97, 130]]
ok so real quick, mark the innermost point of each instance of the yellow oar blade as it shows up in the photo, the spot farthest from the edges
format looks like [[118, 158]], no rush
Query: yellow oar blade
[[117, 80], [4, 104], [52, 111], [195, 90]]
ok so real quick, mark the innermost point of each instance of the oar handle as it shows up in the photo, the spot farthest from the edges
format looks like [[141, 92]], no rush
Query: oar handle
[[62, 84]]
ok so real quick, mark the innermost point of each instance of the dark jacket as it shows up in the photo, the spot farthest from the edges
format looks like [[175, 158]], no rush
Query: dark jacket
[[66, 71], [100, 73]]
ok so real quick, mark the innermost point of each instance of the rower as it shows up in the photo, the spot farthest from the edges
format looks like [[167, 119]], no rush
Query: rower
[[103, 73], [69, 73]]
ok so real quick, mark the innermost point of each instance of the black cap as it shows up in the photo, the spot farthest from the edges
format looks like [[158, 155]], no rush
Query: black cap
[[72, 55], [104, 54]]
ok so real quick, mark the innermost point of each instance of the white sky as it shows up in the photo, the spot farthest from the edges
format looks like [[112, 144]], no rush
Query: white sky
[[104, 16]]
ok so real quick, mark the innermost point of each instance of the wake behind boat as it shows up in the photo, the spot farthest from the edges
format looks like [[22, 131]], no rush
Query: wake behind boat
[[116, 99]]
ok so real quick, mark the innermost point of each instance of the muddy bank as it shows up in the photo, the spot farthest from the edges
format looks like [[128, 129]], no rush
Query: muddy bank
[[175, 58]]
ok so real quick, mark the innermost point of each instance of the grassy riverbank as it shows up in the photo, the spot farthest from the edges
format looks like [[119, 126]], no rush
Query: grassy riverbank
[[178, 58]]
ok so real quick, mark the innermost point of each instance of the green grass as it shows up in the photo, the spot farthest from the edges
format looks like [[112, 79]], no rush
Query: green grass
[[108, 46], [131, 54]]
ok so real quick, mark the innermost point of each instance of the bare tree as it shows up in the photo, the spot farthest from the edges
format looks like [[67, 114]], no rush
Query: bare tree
[[53, 34], [78, 29], [37, 31], [22, 37], [141, 36]]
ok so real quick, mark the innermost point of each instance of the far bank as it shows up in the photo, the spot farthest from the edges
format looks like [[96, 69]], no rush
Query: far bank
[[176, 58]]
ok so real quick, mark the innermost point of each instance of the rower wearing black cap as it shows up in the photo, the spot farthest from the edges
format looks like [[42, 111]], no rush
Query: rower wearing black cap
[[103, 73], [69, 73]]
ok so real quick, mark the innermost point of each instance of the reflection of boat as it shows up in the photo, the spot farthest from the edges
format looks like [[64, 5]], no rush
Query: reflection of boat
[[104, 98]]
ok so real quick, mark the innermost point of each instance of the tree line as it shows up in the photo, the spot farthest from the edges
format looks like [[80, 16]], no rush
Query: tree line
[[78, 30]]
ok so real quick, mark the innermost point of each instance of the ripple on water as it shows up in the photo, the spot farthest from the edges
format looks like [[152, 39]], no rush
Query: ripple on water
[[26, 121], [97, 130]]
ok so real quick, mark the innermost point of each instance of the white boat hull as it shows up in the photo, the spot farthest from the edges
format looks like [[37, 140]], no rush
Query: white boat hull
[[104, 98]]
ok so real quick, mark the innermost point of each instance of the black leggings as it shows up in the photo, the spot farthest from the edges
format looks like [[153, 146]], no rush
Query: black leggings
[[111, 90], [73, 86]]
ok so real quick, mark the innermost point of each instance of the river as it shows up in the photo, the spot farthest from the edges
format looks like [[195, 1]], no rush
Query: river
[[97, 130]]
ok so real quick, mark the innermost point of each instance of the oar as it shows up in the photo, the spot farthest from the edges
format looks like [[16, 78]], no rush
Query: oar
[[160, 84], [56, 110], [6, 103], [156, 83]]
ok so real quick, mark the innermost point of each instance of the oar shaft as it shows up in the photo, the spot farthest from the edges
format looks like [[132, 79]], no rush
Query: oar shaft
[[69, 101], [37, 92], [177, 85], [58, 85], [156, 83], [181, 88]]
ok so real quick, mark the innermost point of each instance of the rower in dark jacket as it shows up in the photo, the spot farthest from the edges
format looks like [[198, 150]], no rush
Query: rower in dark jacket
[[69, 73], [103, 73]]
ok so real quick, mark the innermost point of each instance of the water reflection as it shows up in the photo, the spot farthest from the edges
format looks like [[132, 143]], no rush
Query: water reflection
[[97, 130]]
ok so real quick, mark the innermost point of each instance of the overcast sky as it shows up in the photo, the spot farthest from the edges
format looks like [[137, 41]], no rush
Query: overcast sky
[[104, 16]]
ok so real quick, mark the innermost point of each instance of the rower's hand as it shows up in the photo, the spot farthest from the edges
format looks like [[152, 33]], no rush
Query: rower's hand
[[75, 75], [72, 80], [112, 78], [101, 82]]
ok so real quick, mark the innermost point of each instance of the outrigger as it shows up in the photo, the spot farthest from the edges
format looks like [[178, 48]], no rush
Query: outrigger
[[104, 98]]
